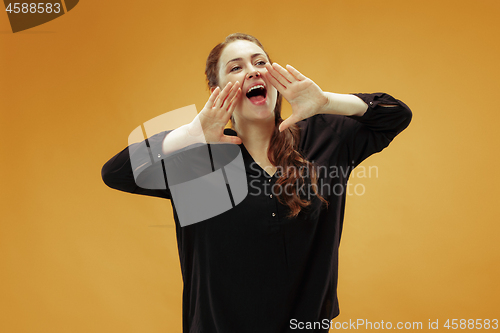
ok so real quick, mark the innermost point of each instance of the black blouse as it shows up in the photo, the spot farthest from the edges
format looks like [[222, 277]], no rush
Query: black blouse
[[251, 268]]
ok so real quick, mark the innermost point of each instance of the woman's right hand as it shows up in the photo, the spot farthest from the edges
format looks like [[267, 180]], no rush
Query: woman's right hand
[[212, 119]]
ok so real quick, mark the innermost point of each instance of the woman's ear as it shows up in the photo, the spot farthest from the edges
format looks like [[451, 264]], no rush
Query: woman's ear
[[212, 89]]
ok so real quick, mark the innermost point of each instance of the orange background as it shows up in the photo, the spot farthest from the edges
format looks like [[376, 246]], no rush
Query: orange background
[[421, 243]]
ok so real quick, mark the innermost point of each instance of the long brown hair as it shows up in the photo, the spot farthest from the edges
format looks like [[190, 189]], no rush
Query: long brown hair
[[283, 146]]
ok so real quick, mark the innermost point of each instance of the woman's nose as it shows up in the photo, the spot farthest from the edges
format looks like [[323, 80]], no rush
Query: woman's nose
[[253, 73]]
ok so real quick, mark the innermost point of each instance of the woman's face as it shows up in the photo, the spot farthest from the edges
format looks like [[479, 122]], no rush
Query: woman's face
[[245, 61]]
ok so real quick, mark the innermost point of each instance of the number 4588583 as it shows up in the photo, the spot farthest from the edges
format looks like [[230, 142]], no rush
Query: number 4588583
[[41, 7], [471, 324]]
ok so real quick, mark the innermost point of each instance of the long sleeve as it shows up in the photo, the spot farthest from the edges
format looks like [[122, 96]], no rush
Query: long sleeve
[[373, 131], [139, 169], [338, 140]]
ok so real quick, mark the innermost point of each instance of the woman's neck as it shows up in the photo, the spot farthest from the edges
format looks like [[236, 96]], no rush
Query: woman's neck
[[256, 136]]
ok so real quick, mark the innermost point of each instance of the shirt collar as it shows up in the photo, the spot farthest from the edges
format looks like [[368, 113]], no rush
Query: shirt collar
[[251, 167]]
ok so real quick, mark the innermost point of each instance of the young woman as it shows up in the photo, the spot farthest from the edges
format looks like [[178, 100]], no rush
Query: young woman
[[270, 263]]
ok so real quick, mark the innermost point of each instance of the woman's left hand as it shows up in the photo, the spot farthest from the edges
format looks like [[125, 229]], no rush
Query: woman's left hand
[[305, 96]]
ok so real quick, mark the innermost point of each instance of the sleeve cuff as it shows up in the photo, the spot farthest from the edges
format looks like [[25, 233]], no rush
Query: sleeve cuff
[[382, 118]]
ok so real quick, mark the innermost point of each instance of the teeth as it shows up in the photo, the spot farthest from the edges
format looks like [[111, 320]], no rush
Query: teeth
[[255, 87]]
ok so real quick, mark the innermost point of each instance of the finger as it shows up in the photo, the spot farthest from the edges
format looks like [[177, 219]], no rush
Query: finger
[[228, 100], [278, 78], [213, 98], [275, 82], [234, 100], [283, 72], [295, 73], [231, 139], [230, 110], [230, 95], [288, 122], [222, 96]]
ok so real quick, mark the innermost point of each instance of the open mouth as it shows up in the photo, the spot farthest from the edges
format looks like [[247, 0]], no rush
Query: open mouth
[[257, 94]]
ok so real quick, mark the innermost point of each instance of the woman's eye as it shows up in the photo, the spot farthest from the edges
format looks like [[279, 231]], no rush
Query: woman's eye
[[261, 63], [234, 68]]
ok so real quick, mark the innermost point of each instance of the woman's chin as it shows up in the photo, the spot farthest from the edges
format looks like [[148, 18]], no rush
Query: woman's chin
[[253, 112], [260, 109]]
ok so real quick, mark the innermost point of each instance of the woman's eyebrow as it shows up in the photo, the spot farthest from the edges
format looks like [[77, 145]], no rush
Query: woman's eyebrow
[[239, 59]]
